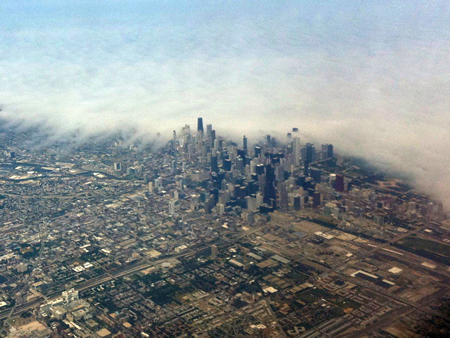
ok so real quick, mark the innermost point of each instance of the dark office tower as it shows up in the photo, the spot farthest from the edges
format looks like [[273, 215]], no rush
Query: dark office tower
[[252, 187], [215, 193], [349, 186], [12, 154], [295, 130], [220, 177], [260, 169], [300, 181], [245, 145], [214, 164], [316, 174], [306, 168], [265, 209], [327, 150], [213, 137], [297, 203], [215, 179], [268, 139], [227, 165], [308, 153], [242, 192], [309, 184], [316, 199], [339, 183], [270, 193], [257, 151], [200, 124]]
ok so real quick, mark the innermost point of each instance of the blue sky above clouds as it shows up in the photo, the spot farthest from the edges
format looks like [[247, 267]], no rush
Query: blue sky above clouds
[[373, 77]]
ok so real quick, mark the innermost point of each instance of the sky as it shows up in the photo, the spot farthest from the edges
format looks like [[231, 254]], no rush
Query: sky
[[371, 77]]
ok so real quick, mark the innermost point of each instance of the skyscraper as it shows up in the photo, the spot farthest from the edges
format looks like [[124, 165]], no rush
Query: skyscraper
[[245, 145], [214, 164], [200, 124], [270, 191], [308, 153], [257, 151], [283, 196], [316, 199], [208, 130], [296, 150], [339, 183], [316, 174], [213, 137], [327, 150]]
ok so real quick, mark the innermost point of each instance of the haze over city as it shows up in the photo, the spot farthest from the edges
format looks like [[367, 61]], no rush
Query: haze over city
[[221, 169], [371, 77]]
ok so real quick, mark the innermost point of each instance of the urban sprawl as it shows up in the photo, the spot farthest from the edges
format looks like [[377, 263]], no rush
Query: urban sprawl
[[209, 237]]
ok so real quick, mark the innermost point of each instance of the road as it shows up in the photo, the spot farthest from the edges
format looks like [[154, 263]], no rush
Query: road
[[18, 309], [294, 256]]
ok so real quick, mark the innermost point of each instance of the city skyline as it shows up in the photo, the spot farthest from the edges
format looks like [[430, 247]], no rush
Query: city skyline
[[369, 77], [209, 236], [224, 168]]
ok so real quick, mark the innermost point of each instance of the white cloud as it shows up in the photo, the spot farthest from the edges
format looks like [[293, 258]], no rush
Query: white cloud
[[374, 84]]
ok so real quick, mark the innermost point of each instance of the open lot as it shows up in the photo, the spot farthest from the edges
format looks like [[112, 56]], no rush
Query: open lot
[[426, 248]]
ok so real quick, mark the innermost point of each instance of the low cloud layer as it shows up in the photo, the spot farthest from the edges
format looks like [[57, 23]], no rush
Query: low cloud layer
[[372, 79]]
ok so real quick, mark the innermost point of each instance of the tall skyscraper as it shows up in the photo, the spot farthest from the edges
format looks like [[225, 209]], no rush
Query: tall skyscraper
[[308, 153], [316, 174], [213, 136], [245, 145], [257, 151], [200, 124], [316, 199], [283, 196], [296, 150], [214, 164], [327, 150], [270, 191], [297, 202], [208, 130]]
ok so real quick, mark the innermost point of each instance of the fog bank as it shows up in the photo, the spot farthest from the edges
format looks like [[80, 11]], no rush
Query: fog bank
[[372, 79]]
